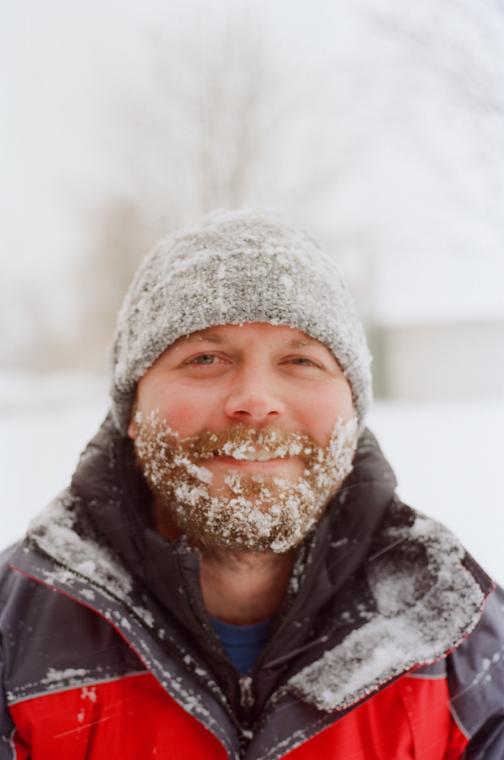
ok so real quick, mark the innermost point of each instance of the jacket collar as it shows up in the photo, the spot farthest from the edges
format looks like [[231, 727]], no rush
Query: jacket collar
[[422, 596], [115, 501]]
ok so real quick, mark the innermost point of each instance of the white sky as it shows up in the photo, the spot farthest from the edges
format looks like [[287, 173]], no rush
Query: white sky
[[61, 65]]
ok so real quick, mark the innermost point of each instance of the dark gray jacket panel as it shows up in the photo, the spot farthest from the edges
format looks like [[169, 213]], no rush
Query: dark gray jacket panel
[[476, 678]]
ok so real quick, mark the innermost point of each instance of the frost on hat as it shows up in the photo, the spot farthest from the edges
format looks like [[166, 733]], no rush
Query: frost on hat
[[231, 268]]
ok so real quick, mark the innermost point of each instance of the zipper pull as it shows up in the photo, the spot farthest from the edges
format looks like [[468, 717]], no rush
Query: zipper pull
[[246, 695]]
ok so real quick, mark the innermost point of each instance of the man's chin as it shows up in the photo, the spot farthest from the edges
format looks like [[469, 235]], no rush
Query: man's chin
[[243, 524], [214, 544], [261, 492]]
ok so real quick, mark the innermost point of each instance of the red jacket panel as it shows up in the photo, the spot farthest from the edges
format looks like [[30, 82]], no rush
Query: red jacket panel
[[408, 719], [133, 718], [130, 718]]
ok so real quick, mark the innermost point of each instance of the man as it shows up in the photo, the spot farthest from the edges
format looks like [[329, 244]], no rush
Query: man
[[230, 573]]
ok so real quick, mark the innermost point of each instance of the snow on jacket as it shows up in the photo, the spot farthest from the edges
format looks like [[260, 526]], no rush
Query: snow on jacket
[[389, 642]]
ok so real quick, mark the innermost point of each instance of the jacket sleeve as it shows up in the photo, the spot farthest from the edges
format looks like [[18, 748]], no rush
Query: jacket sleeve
[[476, 680], [488, 744], [7, 728], [7, 750]]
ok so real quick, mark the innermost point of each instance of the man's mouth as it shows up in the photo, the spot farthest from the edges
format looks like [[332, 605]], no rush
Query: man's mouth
[[251, 455], [254, 465]]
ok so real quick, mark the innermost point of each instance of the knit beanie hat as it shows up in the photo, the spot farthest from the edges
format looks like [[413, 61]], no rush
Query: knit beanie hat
[[231, 268]]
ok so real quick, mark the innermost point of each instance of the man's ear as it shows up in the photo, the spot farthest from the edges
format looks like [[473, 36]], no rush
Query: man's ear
[[133, 426], [132, 429]]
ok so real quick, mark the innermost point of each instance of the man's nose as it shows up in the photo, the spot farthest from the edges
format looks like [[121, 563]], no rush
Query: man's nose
[[254, 397]]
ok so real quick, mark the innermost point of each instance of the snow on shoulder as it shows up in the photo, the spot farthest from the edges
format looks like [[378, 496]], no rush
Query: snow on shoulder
[[425, 603]]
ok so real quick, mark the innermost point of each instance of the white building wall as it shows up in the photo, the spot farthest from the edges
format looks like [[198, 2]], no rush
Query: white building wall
[[444, 361]]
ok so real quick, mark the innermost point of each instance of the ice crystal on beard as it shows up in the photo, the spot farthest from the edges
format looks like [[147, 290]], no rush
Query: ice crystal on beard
[[248, 512]]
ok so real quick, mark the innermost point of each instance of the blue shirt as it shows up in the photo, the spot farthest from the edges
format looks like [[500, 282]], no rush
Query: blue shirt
[[242, 643]]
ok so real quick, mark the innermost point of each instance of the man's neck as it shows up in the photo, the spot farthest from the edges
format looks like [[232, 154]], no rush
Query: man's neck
[[244, 588], [241, 588]]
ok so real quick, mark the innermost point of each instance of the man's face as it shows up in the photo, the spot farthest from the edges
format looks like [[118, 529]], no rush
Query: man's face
[[242, 427]]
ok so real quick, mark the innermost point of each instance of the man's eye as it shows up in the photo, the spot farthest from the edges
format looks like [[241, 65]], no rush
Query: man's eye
[[204, 359], [303, 361]]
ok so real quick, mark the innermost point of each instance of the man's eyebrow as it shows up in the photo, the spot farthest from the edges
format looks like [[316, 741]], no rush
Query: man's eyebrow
[[216, 338], [302, 342], [212, 337]]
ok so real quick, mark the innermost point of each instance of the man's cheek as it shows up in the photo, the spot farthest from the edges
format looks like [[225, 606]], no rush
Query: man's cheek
[[184, 417]]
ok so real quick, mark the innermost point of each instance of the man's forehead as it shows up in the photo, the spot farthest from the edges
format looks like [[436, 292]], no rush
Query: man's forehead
[[292, 337]]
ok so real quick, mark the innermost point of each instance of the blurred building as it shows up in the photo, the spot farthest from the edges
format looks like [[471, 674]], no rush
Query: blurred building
[[437, 331], [435, 360]]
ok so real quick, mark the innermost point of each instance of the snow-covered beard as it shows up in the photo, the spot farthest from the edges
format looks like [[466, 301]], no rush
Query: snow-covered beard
[[248, 512]]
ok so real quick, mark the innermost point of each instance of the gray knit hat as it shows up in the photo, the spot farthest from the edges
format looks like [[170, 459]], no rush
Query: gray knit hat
[[231, 268]]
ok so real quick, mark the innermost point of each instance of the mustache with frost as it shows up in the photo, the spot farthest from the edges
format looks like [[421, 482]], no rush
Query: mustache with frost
[[245, 512]]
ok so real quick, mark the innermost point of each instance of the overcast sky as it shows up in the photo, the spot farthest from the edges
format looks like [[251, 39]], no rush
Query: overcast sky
[[61, 65]]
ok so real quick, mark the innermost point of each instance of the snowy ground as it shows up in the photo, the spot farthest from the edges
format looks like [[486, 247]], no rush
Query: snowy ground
[[448, 457]]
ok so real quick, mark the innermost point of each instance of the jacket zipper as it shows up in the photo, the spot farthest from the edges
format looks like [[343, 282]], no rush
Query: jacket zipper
[[247, 699]]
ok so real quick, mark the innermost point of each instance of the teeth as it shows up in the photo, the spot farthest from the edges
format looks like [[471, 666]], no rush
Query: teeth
[[263, 456], [254, 456]]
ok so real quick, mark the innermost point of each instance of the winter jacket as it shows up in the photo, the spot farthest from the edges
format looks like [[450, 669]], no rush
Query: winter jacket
[[389, 643]]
